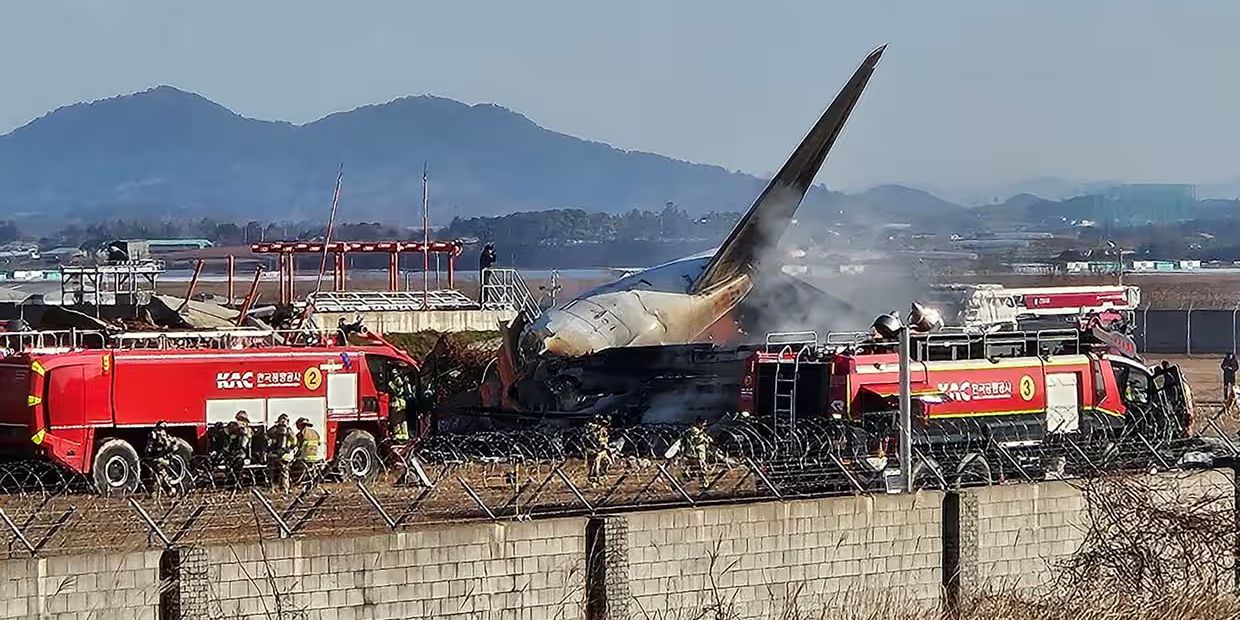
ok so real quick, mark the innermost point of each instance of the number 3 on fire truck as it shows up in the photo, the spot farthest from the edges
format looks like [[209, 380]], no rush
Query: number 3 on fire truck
[[1027, 387], [313, 378]]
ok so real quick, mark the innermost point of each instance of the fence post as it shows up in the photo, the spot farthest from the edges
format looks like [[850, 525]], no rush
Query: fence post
[[1188, 331], [1145, 323], [1233, 328]]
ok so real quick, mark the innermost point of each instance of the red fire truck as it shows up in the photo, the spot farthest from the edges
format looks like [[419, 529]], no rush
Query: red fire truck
[[91, 409], [983, 403], [987, 394]]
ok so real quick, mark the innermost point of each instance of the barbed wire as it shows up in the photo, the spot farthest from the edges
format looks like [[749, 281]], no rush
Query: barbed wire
[[521, 474]]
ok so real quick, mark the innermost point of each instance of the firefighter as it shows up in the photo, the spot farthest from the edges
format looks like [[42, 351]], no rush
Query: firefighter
[[598, 447], [240, 436], [281, 447], [485, 261], [345, 329], [217, 444], [700, 443], [309, 448], [160, 448], [1229, 367], [400, 394]]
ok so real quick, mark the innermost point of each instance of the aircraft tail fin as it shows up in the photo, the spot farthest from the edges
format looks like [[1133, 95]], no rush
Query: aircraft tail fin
[[768, 218]]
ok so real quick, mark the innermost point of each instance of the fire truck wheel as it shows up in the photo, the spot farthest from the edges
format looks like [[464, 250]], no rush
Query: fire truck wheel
[[116, 469], [359, 455], [181, 475]]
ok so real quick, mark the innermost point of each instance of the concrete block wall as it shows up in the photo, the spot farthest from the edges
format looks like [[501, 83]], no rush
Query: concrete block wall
[[758, 560], [518, 570], [765, 558], [1011, 537], [124, 586]]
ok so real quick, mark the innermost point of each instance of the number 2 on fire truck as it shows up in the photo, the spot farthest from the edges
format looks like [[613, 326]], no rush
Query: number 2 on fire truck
[[313, 378], [1027, 387]]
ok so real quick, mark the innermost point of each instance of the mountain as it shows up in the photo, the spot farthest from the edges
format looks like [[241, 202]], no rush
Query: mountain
[[165, 152], [1048, 187], [898, 203]]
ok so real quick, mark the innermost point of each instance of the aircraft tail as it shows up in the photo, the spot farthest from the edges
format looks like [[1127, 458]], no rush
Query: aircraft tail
[[768, 218]]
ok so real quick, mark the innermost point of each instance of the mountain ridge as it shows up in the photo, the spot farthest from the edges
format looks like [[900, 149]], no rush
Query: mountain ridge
[[170, 152]]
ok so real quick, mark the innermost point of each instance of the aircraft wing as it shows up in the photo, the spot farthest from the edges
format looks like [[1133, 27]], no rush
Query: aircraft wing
[[768, 218]]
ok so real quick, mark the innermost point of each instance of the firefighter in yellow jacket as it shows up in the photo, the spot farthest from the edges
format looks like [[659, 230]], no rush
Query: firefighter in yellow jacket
[[597, 447], [281, 448], [309, 447]]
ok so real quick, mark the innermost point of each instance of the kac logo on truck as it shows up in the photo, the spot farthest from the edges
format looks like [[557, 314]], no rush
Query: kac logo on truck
[[234, 380], [969, 390], [238, 380]]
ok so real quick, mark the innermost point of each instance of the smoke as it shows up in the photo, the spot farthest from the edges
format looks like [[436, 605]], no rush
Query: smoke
[[826, 276]]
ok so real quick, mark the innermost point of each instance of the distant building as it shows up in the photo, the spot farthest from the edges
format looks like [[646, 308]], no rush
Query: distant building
[[63, 253], [1033, 269], [1164, 265], [1145, 202], [1091, 267], [173, 245]]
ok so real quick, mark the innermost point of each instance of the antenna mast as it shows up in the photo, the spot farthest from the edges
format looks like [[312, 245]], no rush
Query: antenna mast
[[331, 223], [426, 236]]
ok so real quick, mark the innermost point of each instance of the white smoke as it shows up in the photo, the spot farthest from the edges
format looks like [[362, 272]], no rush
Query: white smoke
[[782, 302]]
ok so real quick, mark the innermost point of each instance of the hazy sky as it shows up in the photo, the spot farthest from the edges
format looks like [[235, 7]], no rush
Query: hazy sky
[[968, 94]]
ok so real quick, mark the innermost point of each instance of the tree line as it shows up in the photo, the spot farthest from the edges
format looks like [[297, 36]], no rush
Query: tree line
[[575, 226], [536, 228]]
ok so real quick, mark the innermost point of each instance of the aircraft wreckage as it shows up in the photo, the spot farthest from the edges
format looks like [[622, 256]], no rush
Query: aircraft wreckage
[[644, 341]]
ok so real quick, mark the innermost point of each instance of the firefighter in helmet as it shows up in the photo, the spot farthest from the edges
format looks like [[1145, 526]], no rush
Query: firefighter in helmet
[[597, 447], [309, 453], [281, 447], [400, 396], [217, 444], [700, 445], [240, 436], [160, 450]]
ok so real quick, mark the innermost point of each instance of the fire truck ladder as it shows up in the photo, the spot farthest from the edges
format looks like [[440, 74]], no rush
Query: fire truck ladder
[[784, 404]]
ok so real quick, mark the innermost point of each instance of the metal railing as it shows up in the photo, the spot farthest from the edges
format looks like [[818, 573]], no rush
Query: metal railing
[[504, 289], [240, 338], [52, 339], [388, 301], [776, 341]]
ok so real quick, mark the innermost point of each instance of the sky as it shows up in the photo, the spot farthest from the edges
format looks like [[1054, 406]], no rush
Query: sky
[[970, 94]]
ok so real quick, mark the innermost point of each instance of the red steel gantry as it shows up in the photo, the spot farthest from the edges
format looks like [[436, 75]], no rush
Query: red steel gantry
[[287, 251]]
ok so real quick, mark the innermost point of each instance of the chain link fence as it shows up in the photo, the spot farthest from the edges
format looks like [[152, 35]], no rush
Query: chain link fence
[[545, 473]]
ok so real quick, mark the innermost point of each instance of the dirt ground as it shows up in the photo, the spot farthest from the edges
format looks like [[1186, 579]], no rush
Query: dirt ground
[[1206, 381]]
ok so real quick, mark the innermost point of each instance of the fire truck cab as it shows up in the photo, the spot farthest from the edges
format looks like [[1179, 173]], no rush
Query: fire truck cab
[[92, 409], [973, 395]]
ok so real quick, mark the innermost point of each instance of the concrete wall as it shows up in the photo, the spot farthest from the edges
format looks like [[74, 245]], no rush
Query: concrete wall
[[758, 560], [417, 321], [531, 570], [763, 558], [121, 586], [1012, 536]]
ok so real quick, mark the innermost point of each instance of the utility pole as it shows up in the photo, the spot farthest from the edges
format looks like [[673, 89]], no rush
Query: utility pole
[[906, 410], [426, 236]]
